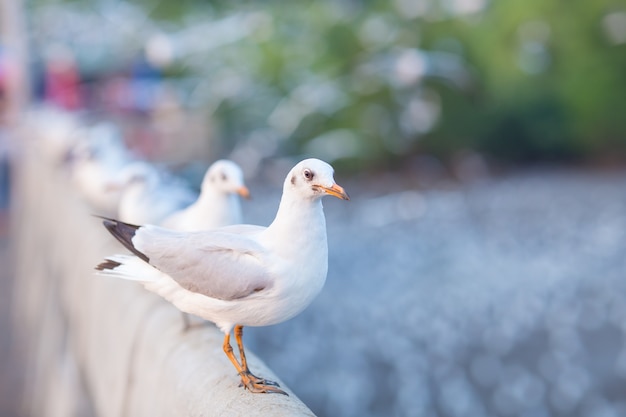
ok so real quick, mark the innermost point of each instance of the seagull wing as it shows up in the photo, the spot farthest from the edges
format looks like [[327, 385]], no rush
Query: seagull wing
[[218, 264]]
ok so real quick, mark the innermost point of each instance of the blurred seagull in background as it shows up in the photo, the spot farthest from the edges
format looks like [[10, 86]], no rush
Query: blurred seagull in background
[[217, 205], [239, 275], [149, 196], [95, 163], [57, 132]]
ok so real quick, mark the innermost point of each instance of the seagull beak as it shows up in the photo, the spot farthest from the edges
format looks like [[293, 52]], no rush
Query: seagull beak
[[112, 187], [336, 191], [244, 192]]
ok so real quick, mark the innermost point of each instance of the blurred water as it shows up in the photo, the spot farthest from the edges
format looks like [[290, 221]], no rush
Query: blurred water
[[500, 298]]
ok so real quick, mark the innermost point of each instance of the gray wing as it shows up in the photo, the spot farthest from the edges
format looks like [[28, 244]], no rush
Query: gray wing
[[217, 264]]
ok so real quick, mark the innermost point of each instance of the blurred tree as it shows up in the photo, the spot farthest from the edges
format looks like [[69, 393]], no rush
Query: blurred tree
[[375, 82], [547, 81]]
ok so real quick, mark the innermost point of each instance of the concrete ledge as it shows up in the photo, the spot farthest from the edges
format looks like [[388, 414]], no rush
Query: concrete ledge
[[99, 346]]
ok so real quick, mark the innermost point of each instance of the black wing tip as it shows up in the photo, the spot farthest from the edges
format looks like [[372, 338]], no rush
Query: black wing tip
[[110, 222], [99, 216], [124, 233], [107, 264], [111, 225]]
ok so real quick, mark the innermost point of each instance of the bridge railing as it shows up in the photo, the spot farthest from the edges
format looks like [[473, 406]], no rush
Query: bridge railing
[[97, 346]]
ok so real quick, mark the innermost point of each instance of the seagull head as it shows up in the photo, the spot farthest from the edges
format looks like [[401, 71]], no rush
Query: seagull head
[[227, 177], [138, 172], [313, 179]]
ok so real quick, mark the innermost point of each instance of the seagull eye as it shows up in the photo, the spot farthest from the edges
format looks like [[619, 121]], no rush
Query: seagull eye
[[308, 174], [223, 176]]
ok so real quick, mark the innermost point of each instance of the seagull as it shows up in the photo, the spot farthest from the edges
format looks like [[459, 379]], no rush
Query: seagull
[[218, 204], [95, 163], [148, 196], [240, 275]]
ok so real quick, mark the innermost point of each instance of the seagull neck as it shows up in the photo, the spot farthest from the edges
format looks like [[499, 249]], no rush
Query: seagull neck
[[300, 221], [220, 202], [208, 195]]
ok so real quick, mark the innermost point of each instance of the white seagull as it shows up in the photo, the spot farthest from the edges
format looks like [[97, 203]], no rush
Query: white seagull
[[240, 275], [96, 163], [218, 204], [148, 195]]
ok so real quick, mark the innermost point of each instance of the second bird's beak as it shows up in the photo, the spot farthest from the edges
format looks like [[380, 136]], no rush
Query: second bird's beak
[[336, 191], [244, 192]]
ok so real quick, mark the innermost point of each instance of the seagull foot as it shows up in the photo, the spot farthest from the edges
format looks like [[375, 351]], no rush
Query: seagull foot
[[257, 380], [263, 389], [260, 385]]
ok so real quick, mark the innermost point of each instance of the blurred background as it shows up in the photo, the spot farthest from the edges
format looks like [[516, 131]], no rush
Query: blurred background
[[366, 84], [478, 269]]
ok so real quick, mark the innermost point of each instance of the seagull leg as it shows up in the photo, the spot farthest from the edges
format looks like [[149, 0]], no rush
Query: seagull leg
[[246, 380], [186, 323], [244, 362]]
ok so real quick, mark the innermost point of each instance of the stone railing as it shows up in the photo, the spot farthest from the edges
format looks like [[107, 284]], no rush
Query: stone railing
[[97, 346]]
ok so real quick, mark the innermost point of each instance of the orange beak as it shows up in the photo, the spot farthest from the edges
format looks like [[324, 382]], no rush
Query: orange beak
[[244, 192], [336, 191]]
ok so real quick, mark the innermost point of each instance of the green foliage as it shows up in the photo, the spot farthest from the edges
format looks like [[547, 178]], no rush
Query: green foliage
[[543, 79], [566, 105], [375, 82]]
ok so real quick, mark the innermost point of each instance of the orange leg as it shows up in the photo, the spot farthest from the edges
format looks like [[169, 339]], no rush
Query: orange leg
[[244, 362], [249, 381]]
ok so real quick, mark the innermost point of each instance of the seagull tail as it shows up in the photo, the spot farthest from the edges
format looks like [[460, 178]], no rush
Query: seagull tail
[[127, 267], [124, 233]]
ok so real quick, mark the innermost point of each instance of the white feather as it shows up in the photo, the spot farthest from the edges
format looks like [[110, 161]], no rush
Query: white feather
[[246, 275]]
